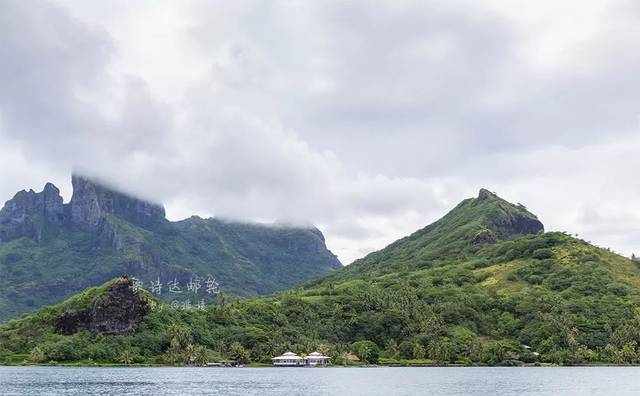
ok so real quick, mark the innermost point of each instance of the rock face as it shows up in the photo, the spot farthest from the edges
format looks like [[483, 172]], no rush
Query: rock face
[[29, 213], [117, 312], [484, 237], [58, 249], [91, 202], [485, 194], [509, 220], [518, 225]]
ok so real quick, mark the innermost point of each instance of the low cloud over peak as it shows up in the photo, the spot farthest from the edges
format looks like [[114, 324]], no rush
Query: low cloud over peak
[[367, 121]]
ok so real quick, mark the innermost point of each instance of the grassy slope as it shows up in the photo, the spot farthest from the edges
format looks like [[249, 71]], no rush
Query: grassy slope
[[571, 302]]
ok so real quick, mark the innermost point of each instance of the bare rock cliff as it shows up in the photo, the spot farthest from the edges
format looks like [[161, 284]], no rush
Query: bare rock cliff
[[118, 311]]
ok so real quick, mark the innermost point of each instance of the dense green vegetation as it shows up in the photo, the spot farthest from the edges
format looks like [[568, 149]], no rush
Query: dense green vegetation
[[55, 260], [447, 294]]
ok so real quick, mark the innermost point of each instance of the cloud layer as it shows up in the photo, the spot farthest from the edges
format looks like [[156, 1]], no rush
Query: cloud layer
[[370, 121]]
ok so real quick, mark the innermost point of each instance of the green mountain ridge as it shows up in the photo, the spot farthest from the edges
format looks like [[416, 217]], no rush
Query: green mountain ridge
[[50, 250], [483, 285], [472, 223]]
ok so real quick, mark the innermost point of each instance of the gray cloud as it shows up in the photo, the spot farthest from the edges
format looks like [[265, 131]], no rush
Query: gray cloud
[[370, 121]]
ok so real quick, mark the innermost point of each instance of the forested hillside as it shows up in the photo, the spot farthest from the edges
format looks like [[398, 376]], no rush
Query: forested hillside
[[50, 250], [483, 285]]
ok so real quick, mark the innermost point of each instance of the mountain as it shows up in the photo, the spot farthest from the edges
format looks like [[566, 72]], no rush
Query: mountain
[[475, 222], [483, 285], [50, 250]]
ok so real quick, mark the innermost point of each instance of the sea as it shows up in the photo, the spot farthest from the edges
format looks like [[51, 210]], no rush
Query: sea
[[49, 380]]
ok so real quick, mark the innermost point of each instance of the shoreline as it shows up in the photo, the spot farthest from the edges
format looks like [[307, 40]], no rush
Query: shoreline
[[117, 365]]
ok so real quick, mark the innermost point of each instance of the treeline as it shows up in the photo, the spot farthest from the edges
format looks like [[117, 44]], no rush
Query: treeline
[[547, 299]]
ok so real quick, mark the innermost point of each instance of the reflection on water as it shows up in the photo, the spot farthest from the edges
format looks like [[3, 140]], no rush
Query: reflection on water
[[323, 381]]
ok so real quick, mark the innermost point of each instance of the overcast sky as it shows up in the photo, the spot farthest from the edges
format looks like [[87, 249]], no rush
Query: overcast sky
[[369, 121]]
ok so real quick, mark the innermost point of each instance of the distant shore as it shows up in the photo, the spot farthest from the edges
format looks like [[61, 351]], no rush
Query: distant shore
[[265, 365]]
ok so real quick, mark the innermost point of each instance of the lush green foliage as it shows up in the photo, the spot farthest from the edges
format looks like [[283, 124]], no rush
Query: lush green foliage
[[246, 259], [451, 238], [534, 298]]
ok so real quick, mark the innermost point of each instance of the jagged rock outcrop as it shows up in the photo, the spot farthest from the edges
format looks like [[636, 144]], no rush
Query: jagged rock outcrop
[[485, 194], [484, 237], [29, 213], [508, 220], [118, 311], [103, 233], [517, 225], [92, 202]]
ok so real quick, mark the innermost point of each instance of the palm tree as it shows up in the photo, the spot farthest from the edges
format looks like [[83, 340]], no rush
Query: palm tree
[[201, 356], [179, 336], [238, 353], [324, 349], [190, 354], [126, 357], [37, 355]]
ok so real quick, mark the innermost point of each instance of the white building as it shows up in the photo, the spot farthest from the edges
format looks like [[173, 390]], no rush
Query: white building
[[316, 359], [288, 359]]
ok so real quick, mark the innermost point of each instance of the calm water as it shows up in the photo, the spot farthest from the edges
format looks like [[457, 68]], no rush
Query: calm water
[[320, 381]]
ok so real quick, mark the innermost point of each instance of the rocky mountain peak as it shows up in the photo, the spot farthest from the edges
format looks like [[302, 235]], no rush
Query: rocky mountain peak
[[92, 202], [504, 218], [485, 194], [28, 213]]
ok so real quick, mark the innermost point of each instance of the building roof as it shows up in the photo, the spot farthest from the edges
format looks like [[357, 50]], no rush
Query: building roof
[[287, 355], [293, 356], [317, 355]]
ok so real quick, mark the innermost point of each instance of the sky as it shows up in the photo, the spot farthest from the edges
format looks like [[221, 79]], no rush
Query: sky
[[368, 119]]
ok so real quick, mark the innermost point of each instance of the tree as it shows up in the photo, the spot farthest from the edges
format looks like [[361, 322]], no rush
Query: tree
[[391, 350], [497, 351], [179, 336], [126, 357], [441, 350], [627, 354], [406, 350], [324, 349], [493, 352], [201, 356], [367, 351], [180, 348], [418, 351], [190, 354], [238, 353], [37, 355]]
